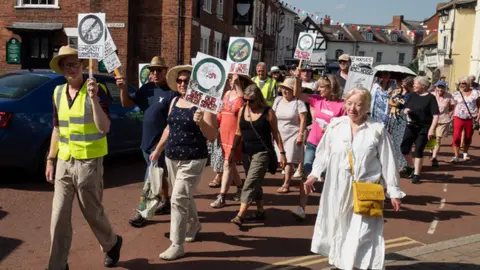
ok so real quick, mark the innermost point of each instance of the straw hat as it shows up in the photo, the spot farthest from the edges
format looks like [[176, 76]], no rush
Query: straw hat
[[245, 78], [288, 83], [157, 62], [62, 53], [172, 75]]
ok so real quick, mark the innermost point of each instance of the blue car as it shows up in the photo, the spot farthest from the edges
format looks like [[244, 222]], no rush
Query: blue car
[[26, 119]]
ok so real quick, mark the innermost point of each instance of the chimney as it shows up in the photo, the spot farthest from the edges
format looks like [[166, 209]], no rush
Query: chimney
[[397, 21], [326, 20]]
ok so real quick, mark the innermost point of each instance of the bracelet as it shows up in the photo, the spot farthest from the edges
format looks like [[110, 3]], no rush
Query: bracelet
[[50, 159], [282, 153]]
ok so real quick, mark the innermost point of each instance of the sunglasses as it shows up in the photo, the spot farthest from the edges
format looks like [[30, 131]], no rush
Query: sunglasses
[[342, 62], [153, 70], [180, 81], [72, 65], [463, 83]]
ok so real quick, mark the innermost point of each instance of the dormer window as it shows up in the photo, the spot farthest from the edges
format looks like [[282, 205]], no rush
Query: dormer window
[[369, 36], [394, 37], [340, 36]]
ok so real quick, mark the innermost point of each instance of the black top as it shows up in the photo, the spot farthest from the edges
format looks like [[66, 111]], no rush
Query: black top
[[185, 140], [155, 102], [251, 143], [422, 108]]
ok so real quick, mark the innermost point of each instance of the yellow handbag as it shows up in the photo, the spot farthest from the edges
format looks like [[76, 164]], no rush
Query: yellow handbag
[[367, 197]]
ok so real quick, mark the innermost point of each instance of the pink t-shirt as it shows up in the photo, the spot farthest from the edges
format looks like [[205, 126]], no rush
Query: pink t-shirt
[[324, 110]]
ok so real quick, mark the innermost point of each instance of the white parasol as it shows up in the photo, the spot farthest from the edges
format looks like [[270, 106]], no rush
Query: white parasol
[[395, 69]]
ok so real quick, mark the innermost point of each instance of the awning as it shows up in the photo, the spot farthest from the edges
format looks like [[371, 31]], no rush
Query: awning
[[29, 27], [71, 31]]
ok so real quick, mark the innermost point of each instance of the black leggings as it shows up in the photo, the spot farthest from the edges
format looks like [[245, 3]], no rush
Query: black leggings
[[414, 135]]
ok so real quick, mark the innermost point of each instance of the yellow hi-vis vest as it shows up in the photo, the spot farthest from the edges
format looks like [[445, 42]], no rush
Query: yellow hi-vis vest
[[79, 137], [267, 90]]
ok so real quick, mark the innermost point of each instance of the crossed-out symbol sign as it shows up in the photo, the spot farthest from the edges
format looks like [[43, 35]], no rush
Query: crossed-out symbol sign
[[305, 42], [91, 29], [239, 50]]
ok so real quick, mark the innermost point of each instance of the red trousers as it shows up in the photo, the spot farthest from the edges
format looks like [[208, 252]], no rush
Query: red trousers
[[458, 125]]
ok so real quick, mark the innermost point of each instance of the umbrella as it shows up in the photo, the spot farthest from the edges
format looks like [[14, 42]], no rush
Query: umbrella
[[399, 70]]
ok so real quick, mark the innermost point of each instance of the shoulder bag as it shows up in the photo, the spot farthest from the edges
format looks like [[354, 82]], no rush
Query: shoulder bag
[[475, 124], [367, 197], [272, 156]]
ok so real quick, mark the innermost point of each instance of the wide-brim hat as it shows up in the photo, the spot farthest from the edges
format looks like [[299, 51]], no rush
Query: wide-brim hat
[[62, 53], [172, 75], [344, 57], [157, 62], [288, 83], [245, 78]]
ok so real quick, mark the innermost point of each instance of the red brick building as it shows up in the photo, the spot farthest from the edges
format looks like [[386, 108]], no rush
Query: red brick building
[[174, 29]]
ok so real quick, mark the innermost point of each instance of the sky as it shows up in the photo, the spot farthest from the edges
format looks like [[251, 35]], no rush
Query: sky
[[376, 12]]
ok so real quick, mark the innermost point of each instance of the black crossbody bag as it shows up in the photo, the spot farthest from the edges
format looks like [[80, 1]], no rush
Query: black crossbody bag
[[475, 124]]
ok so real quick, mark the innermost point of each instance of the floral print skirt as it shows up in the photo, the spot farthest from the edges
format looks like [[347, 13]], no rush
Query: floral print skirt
[[216, 155]]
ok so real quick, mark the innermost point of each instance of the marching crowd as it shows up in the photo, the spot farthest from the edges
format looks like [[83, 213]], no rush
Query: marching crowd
[[356, 144]]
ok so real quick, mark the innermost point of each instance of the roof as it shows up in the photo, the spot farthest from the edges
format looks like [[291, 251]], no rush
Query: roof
[[454, 3], [430, 40], [413, 25], [35, 26], [330, 32], [287, 9], [379, 37]]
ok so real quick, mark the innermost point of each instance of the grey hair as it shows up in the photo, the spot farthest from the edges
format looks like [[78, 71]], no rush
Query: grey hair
[[262, 64], [423, 81], [464, 79]]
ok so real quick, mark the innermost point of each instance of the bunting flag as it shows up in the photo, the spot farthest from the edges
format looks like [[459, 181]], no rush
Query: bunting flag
[[321, 20]]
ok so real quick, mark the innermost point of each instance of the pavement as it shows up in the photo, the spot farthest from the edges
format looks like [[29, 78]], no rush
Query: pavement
[[443, 207]]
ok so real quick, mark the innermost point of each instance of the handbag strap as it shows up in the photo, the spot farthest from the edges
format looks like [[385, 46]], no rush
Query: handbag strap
[[254, 130], [466, 106]]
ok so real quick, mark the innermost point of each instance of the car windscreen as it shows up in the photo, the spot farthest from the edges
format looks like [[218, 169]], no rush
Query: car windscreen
[[15, 86]]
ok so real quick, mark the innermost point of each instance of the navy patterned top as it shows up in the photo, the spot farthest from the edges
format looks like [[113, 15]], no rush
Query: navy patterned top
[[185, 140]]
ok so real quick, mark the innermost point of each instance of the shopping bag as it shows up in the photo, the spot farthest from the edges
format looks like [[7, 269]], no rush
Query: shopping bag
[[151, 191], [431, 144]]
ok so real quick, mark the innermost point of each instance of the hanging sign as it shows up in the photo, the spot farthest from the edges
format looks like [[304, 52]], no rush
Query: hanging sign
[[13, 51], [207, 82], [143, 74], [91, 36], [305, 45], [240, 54]]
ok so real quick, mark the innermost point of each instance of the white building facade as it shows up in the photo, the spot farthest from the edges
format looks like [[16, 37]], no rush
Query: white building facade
[[285, 40]]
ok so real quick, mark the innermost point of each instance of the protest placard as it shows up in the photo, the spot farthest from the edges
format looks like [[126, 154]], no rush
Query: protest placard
[[143, 74], [361, 61], [305, 45], [112, 62], [91, 36], [207, 82], [109, 44], [359, 76], [240, 54]]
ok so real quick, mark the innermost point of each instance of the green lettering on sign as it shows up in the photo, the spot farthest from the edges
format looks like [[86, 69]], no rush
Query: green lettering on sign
[[13, 51]]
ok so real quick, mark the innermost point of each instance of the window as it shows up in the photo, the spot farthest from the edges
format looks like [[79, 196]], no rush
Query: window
[[361, 53], [220, 9], [207, 6], [39, 48], [204, 44], [340, 36], [15, 86], [394, 37], [369, 36], [37, 3], [401, 58], [379, 57], [338, 53], [217, 45], [445, 42], [205, 39]]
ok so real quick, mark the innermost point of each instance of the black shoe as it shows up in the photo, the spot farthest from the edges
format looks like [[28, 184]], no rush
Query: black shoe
[[112, 256], [435, 163], [163, 208], [137, 220], [407, 172], [66, 267], [416, 179]]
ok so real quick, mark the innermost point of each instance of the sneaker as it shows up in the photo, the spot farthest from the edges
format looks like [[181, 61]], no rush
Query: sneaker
[[454, 160], [137, 220], [172, 253], [113, 255], [416, 179], [466, 157], [298, 173], [407, 172], [192, 233], [219, 202], [435, 163], [238, 195], [299, 212], [163, 207]]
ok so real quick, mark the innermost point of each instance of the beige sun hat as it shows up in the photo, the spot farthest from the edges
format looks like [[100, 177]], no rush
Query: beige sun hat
[[172, 75], [157, 62], [62, 53], [288, 83]]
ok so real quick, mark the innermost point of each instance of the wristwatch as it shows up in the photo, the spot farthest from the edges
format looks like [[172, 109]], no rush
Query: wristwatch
[[50, 158], [282, 153]]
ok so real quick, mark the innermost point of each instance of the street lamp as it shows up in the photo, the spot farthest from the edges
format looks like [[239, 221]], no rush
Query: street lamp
[[444, 15]]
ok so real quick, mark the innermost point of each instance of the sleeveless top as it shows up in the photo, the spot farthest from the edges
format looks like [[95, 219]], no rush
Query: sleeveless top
[[251, 143], [185, 140]]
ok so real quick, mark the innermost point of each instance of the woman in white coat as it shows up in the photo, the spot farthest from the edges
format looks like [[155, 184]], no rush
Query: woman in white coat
[[353, 241]]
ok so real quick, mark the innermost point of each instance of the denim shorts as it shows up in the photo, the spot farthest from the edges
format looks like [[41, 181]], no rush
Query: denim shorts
[[308, 158]]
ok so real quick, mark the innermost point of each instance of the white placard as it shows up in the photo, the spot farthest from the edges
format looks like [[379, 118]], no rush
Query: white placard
[[305, 46], [143, 74], [361, 61], [359, 77], [109, 44], [208, 79], [239, 54], [111, 62], [91, 35]]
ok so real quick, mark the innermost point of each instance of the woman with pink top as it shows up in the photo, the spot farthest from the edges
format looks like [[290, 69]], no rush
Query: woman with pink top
[[324, 106]]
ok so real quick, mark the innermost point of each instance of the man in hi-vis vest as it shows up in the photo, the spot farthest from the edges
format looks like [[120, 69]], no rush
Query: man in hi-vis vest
[[78, 143], [266, 84]]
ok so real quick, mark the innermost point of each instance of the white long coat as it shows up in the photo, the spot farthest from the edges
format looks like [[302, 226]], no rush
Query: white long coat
[[348, 239]]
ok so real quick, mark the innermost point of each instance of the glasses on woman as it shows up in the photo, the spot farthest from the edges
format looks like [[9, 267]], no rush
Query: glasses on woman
[[180, 81]]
